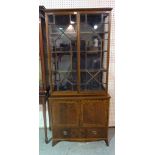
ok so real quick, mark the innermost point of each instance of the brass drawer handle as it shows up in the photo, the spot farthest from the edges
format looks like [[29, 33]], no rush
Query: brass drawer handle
[[82, 132], [65, 133], [94, 132]]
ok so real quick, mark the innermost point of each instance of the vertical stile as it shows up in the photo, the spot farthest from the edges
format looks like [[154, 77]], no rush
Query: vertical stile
[[108, 51], [49, 51], [41, 53], [78, 51]]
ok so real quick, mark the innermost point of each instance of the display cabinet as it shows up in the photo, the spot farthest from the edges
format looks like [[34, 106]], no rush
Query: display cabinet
[[78, 43]]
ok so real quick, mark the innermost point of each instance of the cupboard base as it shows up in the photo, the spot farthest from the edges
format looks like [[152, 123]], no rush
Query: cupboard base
[[80, 119]]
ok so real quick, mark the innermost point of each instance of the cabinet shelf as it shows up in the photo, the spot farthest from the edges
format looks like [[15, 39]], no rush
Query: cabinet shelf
[[93, 32], [60, 25], [82, 70], [93, 70], [59, 33], [64, 52], [87, 52], [93, 52]]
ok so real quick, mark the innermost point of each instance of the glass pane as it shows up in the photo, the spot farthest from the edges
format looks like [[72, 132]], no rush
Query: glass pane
[[91, 80], [63, 44], [65, 81], [93, 49], [50, 19]]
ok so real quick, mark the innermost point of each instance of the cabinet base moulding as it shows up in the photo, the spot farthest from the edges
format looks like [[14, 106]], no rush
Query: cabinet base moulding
[[55, 141]]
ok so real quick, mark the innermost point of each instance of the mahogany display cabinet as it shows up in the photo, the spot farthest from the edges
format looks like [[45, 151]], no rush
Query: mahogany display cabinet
[[78, 44]]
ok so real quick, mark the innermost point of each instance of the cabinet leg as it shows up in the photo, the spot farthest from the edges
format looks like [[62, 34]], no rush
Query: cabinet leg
[[107, 142], [44, 117], [54, 142], [49, 115]]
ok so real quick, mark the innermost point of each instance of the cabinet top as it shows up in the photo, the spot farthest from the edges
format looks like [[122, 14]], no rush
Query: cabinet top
[[78, 9]]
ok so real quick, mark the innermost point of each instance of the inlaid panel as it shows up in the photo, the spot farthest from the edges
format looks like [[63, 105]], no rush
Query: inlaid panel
[[94, 113], [65, 113]]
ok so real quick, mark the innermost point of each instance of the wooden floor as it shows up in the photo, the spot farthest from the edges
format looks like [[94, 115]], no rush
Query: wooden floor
[[77, 148]]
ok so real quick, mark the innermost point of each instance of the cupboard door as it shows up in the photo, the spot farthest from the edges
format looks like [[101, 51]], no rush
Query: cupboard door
[[94, 113], [62, 31], [94, 41], [65, 113]]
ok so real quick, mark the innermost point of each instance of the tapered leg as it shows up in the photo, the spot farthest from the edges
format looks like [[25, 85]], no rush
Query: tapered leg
[[49, 115], [107, 142], [44, 117], [54, 142]]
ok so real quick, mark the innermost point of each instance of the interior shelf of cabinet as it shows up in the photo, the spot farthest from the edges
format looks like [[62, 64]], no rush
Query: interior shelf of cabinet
[[87, 83], [74, 84], [49, 23], [68, 52], [93, 52], [63, 52], [60, 33], [93, 70], [100, 22], [76, 23], [93, 32], [81, 70]]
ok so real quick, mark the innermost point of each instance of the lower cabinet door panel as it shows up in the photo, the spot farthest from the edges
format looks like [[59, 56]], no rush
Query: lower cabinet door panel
[[95, 113], [65, 113]]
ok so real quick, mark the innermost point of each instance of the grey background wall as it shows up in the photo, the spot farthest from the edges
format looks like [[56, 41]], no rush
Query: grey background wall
[[91, 4]]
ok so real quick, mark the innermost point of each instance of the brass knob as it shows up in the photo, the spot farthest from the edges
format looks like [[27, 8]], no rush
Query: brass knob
[[65, 133], [94, 132]]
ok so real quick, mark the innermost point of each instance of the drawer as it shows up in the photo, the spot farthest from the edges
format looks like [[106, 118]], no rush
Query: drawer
[[61, 133], [82, 133], [69, 133], [96, 133]]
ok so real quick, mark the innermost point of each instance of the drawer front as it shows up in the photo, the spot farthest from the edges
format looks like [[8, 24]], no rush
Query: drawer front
[[96, 133], [61, 133], [69, 133], [66, 133]]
